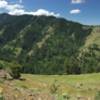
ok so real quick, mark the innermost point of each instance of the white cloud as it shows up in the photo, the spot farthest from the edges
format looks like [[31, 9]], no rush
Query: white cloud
[[77, 1], [75, 11], [18, 9], [16, 12], [14, 7], [39, 12], [43, 12], [3, 3]]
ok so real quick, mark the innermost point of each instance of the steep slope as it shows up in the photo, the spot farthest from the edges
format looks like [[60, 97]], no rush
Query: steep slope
[[42, 44], [90, 52]]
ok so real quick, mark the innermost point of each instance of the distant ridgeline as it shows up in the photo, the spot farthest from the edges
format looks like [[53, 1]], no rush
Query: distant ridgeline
[[48, 45]]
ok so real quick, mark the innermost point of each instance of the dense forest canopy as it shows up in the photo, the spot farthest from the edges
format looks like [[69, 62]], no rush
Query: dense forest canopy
[[48, 45]]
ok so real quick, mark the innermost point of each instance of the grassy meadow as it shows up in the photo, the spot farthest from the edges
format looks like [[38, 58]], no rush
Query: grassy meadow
[[53, 87]]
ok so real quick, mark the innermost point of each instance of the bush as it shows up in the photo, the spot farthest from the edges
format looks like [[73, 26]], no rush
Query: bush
[[66, 96], [15, 71], [1, 97], [54, 87], [97, 97]]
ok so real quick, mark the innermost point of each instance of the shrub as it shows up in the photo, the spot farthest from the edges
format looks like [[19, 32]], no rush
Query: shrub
[[54, 87], [1, 97], [14, 71], [66, 96], [97, 97]]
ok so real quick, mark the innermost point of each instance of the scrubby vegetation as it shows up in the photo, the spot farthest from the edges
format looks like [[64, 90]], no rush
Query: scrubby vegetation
[[15, 71], [52, 87], [97, 97]]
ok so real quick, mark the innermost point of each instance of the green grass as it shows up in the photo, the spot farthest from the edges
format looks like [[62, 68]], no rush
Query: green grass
[[85, 85], [72, 86]]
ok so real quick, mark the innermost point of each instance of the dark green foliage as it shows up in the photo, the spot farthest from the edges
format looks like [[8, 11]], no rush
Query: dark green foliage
[[1, 97], [97, 97], [72, 66], [15, 70], [88, 61], [1, 66], [54, 87], [46, 45]]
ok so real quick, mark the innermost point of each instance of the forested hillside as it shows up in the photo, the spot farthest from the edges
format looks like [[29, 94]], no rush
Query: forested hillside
[[48, 45]]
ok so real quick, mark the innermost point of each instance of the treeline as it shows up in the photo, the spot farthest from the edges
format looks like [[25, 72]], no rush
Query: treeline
[[86, 62]]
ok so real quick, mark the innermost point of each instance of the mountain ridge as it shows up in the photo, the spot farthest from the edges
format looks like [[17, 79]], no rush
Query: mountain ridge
[[46, 44]]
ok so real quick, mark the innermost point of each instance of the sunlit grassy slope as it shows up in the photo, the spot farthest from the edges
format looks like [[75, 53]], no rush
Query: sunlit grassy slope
[[94, 37], [85, 86], [73, 85]]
